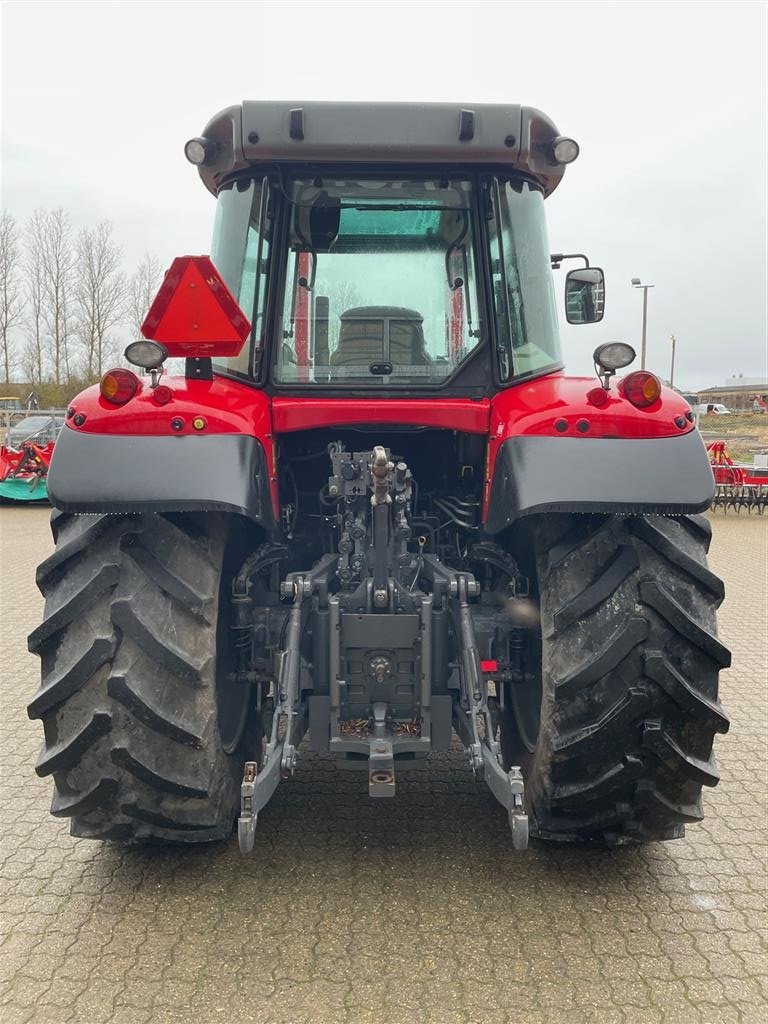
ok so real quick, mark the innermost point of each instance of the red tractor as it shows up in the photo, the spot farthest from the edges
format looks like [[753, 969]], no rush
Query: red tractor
[[374, 510]]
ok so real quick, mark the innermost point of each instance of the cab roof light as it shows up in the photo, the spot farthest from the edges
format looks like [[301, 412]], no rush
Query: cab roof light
[[199, 151], [119, 386], [565, 150], [641, 388]]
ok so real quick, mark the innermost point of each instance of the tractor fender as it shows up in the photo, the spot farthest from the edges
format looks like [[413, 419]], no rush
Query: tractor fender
[[122, 473], [620, 476]]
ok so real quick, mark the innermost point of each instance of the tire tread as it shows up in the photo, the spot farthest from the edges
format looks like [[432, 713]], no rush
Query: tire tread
[[631, 659], [127, 697]]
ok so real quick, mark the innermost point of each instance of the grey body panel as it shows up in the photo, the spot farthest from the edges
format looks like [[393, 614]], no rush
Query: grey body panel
[[512, 136], [115, 473], [666, 475]]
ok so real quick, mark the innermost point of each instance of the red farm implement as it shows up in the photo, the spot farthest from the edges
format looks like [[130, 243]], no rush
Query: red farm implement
[[737, 485], [23, 473]]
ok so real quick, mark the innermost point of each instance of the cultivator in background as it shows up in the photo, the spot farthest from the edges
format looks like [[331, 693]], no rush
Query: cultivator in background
[[737, 486], [23, 473]]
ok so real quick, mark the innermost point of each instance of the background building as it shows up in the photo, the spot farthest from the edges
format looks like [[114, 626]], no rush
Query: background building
[[738, 393]]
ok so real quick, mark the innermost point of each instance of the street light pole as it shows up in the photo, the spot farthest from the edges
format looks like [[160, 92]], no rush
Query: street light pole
[[645, 324], [637, 284], [672, 367]]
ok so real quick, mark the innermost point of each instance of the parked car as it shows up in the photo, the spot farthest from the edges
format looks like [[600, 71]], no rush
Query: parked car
[[712, 409], [41, 428]]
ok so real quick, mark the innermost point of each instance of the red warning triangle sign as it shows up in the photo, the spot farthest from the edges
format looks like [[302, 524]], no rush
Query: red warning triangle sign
[[194, 314]]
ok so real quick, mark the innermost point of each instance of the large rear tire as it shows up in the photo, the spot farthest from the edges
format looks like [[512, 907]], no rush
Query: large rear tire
[[144, 736], [616, 743]]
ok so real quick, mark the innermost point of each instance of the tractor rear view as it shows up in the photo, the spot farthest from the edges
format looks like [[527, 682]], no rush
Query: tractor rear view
[[374, 512]]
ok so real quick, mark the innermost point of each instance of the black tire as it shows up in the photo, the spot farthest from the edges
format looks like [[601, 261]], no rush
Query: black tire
[[144, 736], [620, 730]]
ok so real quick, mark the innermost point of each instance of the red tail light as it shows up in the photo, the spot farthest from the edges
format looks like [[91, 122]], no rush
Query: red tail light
[[119, 386], [598, 397], [641, 388], [162, 394]]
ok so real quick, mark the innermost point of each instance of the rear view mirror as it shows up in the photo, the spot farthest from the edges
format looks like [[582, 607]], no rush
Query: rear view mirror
[[584, 295], [324, 222], [317, 223]]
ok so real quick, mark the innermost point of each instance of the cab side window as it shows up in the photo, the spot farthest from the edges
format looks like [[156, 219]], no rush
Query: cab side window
[[527, 332], [240, 251]]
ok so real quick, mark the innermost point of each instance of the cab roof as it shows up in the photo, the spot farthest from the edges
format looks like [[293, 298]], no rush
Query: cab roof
[[257, 133]]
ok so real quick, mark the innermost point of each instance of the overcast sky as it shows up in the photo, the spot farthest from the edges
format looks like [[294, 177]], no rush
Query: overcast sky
[[668, 103]]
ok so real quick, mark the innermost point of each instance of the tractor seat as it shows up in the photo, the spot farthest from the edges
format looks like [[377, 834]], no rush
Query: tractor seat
[[379, 334]]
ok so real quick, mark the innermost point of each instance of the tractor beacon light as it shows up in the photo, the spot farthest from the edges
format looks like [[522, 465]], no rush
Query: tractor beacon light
[[641, 388], [119, 386]]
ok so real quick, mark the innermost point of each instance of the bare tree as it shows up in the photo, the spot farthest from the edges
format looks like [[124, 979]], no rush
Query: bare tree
[[50, 242], [34, 273], [29, 362], [11, 297], [143, 288], [100, 293]]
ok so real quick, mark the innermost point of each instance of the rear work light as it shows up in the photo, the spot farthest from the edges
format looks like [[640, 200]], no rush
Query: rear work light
[[641, 388], [119, 386], [149, 355]]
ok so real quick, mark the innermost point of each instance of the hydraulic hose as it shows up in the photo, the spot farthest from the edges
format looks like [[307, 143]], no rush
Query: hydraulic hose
[[242, 603]]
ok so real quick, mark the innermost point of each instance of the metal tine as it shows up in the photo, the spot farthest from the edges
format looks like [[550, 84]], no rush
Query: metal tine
[[739, 496]]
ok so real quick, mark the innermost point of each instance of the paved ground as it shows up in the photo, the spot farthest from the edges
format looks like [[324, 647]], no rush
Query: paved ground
[[404, 912]]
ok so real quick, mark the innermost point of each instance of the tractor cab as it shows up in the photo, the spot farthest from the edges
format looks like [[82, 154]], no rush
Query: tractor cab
[[419, 267]]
